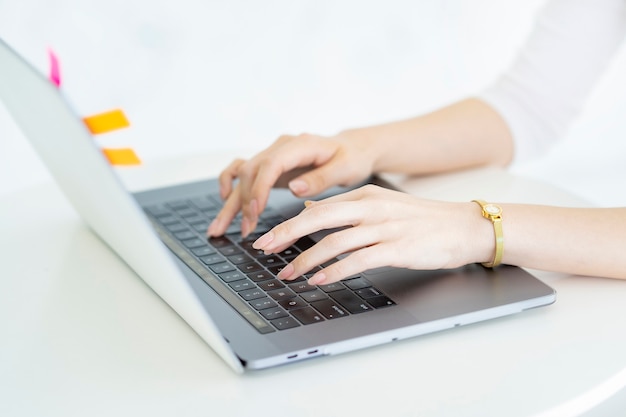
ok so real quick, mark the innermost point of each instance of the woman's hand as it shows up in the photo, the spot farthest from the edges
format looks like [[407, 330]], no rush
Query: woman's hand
[[381, 227], [306, 164]]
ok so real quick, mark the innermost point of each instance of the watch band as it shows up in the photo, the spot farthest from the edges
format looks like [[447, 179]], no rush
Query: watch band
[[493, 213]]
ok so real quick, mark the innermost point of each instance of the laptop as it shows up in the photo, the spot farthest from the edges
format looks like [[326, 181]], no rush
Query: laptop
[[224, 289]]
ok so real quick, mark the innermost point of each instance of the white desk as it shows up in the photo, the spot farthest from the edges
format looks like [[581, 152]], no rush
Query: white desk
[[82, 335]]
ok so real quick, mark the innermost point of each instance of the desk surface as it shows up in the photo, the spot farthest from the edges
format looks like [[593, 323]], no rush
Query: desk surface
[[83, 335]]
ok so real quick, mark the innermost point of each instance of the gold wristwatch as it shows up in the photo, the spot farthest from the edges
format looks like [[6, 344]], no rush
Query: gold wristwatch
[[493, 213]]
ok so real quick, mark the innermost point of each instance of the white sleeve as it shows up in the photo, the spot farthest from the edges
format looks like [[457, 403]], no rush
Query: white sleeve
[[546, 87]]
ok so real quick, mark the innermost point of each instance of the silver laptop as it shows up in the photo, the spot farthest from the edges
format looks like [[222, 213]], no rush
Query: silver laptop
[[224, 289]]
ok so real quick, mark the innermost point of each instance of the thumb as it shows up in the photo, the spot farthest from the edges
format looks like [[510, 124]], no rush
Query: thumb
[[318, 180]]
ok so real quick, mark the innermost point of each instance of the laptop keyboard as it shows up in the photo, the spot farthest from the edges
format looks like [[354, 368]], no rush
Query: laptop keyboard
[[246, 277]]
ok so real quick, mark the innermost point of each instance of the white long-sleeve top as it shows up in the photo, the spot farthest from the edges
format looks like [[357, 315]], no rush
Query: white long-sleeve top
[[546, 87]]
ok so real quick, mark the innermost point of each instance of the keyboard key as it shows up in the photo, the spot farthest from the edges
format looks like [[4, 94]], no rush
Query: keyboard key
[[270, 260], [284, 323], [281, 294], [302, 287], [231, 276], [178, 204], [307, 315], [273, 313], [330, 309], [357, 283], [255, 253], [203, 203], [176, 227], [219, 241], [229, 250], [368, 292], [252, 294], [203, 251], [304, 243], [301, 278], [264, 303], [195, 219], [185, 234], [250, 267], [276, 268], [329, 263], [158, 211], [244, 284], [233, 229], [259, 276], [210, 213], [248, 241], [240, 258], [186, 212], [293, 303], [290, 251], [288, 259], [353, 303], [271, 284], [201, 227], [221, 267], [315, 295], [167, 220], [335, 286], [194, 243], [212, 259], [381, 301]]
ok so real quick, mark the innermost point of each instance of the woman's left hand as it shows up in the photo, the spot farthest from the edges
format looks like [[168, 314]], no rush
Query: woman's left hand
[[380, 227]]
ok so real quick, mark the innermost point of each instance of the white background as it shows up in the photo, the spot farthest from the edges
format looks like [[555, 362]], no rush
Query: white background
[[195, 76]]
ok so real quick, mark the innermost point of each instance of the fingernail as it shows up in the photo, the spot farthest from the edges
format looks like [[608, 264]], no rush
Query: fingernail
[[317, 279], [263, 241], [213, 227], [308, 203], [298, 186], [286, 272]]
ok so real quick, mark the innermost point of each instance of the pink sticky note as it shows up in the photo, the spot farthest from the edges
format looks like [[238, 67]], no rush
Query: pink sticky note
[[55, 72]]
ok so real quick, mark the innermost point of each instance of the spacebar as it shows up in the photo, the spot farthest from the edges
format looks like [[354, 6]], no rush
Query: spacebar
[[217, 285]]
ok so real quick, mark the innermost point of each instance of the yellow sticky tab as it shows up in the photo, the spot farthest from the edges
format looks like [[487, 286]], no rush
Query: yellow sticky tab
[[123, 156], [106, 122]]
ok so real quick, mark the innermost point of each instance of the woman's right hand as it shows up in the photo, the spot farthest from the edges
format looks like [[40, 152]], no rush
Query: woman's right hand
[[306, 164]]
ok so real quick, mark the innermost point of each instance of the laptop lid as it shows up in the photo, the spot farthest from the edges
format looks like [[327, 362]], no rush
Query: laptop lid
[[85, 177]]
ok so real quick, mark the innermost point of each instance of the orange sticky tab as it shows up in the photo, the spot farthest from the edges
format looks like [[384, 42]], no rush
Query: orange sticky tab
[[124, 156], [106, 122]]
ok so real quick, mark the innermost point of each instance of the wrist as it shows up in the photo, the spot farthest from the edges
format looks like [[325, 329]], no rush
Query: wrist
[[492, 213], [365, 143]]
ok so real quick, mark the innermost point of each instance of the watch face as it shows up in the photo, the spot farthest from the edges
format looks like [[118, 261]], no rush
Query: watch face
[[493, 209]]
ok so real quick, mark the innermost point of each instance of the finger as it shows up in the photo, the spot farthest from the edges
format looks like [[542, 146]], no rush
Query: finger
[[259, 194], [314, 218], [227, 176], [231, 207], [358, 194], [361, 260], [331, 246], [322, 178], [262, 172]]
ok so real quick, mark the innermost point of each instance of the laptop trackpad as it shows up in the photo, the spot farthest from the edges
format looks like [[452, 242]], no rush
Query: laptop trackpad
[[429, 295]]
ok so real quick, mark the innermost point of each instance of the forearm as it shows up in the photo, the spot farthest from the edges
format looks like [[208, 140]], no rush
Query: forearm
[[583, 241], [465, 134]]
